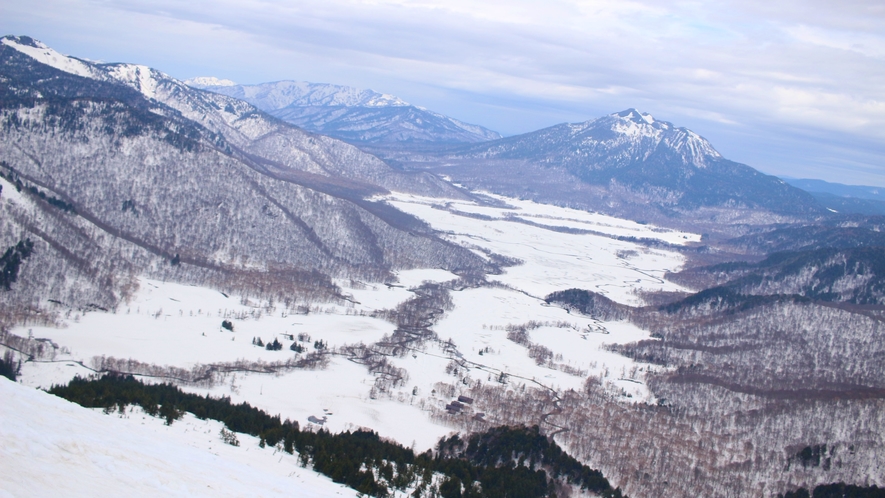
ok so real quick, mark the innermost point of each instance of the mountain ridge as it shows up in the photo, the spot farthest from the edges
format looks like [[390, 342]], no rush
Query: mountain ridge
[[354, 115], [841, 198]]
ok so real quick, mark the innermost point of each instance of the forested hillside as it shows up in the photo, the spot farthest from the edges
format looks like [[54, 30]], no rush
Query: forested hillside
[[855, 276], [108, 183]]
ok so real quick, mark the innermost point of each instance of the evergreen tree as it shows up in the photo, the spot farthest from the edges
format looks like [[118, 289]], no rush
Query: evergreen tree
[[9, 368], [12, 260]]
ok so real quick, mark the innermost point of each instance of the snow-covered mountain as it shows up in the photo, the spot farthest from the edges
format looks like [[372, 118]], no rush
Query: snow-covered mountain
[[349, 113], [286, 148], [627, 158], [115, 170], [615, 141]]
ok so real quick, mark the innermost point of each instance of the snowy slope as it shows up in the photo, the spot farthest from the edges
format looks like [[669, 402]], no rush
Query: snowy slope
[[55, 448]]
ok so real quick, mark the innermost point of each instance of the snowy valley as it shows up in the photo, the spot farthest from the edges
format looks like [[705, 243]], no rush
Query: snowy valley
[[245, 307], [175, 326]]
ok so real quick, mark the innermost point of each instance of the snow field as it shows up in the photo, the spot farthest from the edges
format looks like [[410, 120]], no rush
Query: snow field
[[555, 260], [180, 325], [554, 216], [340, 395], [139, 77], [9, 193], [481, 316], [52, 447], [377, 296]]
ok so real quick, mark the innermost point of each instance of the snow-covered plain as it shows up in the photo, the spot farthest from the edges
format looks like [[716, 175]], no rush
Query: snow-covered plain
[[178, 325], [555, 259], [481, 315], [553, 216]]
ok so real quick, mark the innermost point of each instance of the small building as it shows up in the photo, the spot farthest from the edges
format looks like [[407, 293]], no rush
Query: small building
[[454, 407], [465, 400], [318, 421]]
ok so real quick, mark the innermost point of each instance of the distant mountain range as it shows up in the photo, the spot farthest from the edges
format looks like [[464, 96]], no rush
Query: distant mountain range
[[858, 199], [347, 113], [838, 189], [626, 163]]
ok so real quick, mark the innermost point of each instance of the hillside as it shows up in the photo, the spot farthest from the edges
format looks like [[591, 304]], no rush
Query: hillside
[[854, 275], [47, 441], [109, 177], [836, 231]]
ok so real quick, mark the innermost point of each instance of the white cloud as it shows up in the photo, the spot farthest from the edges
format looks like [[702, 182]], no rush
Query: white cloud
[[867, 44]]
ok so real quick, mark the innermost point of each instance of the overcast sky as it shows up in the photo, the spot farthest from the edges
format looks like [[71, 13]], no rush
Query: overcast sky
[[793, 88]]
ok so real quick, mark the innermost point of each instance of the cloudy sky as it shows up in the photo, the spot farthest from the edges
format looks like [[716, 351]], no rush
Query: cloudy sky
[[793, 88]]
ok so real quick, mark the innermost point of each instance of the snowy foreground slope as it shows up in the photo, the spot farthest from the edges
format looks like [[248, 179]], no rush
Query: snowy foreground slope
[[52, 447]]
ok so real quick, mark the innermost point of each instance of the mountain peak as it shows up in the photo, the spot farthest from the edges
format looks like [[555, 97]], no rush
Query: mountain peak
[[635, 116], [646, 134]]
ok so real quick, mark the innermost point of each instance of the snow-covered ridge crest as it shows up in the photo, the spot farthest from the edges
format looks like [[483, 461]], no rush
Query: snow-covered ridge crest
[[141, 78], [45, 55], [279, 94]]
